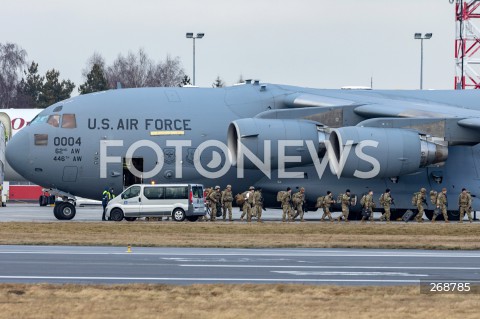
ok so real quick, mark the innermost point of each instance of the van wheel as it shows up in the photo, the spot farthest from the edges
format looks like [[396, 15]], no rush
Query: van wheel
[[192, 218], [130, 219], [116, 214], [178, 215]]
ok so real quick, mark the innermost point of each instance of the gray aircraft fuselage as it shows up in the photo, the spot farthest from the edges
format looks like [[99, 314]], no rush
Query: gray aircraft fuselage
[[70, 158]]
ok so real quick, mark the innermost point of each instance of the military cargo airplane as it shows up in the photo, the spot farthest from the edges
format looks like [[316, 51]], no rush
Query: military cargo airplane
[[266, 135]]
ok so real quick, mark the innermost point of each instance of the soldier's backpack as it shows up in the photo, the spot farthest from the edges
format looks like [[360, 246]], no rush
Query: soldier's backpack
[[408, 215], [433, 197], [414, 198], [382, 200], [280, 195], [208, 191], [320, 202], [296, 199], [362, 200], [239, 199]]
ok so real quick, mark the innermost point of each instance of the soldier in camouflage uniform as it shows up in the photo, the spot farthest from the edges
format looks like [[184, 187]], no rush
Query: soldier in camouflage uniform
[[227, 199], [258, 204], [419, 201], [442, 205], [286, 198], [465, 203], [299, 198], [369, 204], [248, 204], [345, 206], [386, 200], [327, 202], [215, 197]]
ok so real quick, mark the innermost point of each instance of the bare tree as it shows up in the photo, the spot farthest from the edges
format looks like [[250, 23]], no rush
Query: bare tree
[[240, 79], [168, 73], [138, 70], [131, 71], [12, 62]]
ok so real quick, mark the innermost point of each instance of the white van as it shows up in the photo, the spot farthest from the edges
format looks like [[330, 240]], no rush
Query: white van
[[179, 201]]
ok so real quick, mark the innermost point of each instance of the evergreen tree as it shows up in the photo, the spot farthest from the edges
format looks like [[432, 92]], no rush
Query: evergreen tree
[[30, 88], [53, 90], [96, 81], [218, 83], [185, 81]]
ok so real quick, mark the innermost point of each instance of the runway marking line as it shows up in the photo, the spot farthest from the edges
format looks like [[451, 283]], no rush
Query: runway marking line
[[330, 267]]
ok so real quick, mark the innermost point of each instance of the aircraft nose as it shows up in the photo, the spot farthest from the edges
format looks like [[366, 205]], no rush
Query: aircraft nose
[[17, 152]]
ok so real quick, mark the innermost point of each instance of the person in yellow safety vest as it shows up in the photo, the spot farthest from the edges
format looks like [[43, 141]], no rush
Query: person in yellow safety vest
[[106, 197]]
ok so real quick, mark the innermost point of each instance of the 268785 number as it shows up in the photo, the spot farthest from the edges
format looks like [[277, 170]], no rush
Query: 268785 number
[[67, 141], [449, 287]]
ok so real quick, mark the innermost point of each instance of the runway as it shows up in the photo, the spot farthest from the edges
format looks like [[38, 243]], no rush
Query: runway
[[185, 266]]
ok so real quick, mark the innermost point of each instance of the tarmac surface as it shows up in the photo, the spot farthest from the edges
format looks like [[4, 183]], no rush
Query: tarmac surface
[[109, 265], [184, 266], [28, 212]]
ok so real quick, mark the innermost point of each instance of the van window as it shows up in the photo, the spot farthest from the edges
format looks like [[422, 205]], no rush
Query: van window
[[133, 191], [153, 192], [176, 192], [197, 191]]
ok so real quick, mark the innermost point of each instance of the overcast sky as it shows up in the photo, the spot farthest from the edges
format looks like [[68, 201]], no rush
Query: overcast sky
[[314, 43]]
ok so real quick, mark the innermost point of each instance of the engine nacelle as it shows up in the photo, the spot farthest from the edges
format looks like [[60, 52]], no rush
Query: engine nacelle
[[280, 138], [368, 152]]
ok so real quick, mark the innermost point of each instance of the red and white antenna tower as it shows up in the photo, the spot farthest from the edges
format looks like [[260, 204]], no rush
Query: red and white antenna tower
[[467, 44]]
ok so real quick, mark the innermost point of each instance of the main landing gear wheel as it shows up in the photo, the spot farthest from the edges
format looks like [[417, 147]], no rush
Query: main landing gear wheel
[[64, 211]]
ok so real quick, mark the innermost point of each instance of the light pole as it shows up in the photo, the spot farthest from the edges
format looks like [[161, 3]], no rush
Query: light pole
[[191, 36], [419, 36]]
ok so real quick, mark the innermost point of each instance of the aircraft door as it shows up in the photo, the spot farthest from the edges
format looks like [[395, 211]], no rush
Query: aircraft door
[[132, 201]]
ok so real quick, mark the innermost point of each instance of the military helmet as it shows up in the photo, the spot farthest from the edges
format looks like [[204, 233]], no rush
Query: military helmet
[[217, 187], [229, 186], [302, 189], [251, 187], [423, 190]]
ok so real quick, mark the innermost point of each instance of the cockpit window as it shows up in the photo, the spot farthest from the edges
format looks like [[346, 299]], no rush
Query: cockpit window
[[39, 119], [41, 139], [54, 120], [58, 108], [69, 121]]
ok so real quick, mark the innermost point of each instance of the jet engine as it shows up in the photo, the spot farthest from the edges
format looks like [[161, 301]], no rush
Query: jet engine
[[367, 152], [271, 139]]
